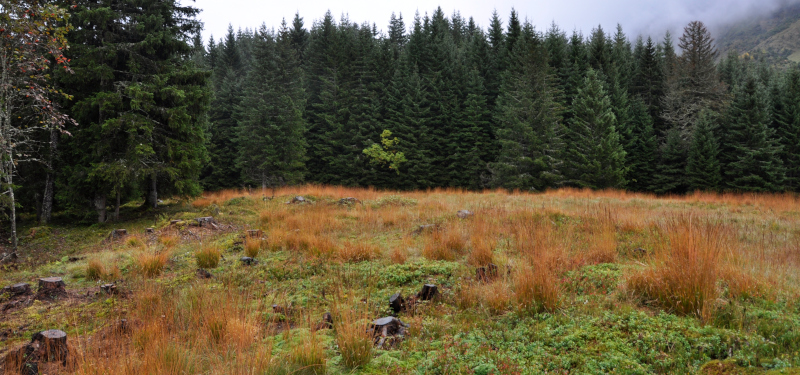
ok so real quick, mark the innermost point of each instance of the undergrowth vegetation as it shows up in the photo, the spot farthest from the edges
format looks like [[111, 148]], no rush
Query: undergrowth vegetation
[[567, 281]]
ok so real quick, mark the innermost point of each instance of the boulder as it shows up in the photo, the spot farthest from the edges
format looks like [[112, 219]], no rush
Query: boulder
[[463, 214]]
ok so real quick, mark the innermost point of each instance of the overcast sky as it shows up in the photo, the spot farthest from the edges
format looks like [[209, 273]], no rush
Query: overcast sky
[[651, 17]]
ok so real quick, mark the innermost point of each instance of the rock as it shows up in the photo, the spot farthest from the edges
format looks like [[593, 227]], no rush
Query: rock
[[248, 261], [326, 323], [397, 303], [388, 332], [463, 214], [21, 289], [109, 288], [425, 228], [52, 345], [428, 292], [52, 285], [297, 200], [486, 274], [203, 274], [348, 201]]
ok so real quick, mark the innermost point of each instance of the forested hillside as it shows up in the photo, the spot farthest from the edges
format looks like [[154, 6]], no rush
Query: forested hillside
[[437, 100], [774, 37]]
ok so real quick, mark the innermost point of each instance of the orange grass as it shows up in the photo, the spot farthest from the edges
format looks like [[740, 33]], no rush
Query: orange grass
[[686, 271]]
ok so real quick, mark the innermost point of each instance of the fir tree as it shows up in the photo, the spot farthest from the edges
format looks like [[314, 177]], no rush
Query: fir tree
[[641, 149]]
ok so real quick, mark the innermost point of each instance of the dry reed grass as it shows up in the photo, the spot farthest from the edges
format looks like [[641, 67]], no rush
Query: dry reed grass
[[537, 289], [252, 247], [150, 264], [686, 271], [208, 256], [354, 341], [358, 251]]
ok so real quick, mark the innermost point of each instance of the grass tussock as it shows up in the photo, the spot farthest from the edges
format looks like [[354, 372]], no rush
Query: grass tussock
[[358, 251], [444, 244], [352, 338], [308, 357], [208, 256], [684, 277], [537, 289], [96, 271], [252, 247], [150, 264]]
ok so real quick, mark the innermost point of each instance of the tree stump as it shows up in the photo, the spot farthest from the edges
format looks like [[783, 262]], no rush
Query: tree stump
[[248, 261], [22, 360], [388, 332], [203, 274], [117, 234], [149, 231], [326, 323], [255, 233], [52, 285], [486, 274], [174, 222], [428, 292], [51, 345], [463, 214], [397, 303], [18, 289], [640, 252], [110, 289]]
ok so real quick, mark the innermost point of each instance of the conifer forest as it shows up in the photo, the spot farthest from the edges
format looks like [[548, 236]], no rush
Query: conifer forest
[[427, 194]]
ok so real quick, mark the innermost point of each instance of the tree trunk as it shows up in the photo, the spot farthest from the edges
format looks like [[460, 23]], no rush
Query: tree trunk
[[47, 200], [116, 208], [13, 216], [100, 207], [152, 198]]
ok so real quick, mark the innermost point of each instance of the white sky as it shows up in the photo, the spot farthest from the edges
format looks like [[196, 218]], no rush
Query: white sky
[[652, 17]]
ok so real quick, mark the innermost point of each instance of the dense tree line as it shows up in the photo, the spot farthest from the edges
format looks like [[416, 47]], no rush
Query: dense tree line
[[160, 112], [508, 106]]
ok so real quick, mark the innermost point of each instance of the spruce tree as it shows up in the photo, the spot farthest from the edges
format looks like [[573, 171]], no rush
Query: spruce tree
[[642, 149], [595, 157], [529, 133], [786, 122], [671, 172], [702, 165], [751, 152], [271, 125]]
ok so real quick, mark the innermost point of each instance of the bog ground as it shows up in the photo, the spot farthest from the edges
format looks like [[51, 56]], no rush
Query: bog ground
[[565, 282]]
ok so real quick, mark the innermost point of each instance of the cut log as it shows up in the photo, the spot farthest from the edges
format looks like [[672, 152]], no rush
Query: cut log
[[109, 288], [21, 289], [52, 285], [248, 261], [463, 214], [203, 274], [397, 303], [51, 345], [205, 221], [428, 292]]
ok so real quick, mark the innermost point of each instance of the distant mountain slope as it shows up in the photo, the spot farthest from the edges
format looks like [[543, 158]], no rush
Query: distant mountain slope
[[774, 37]]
